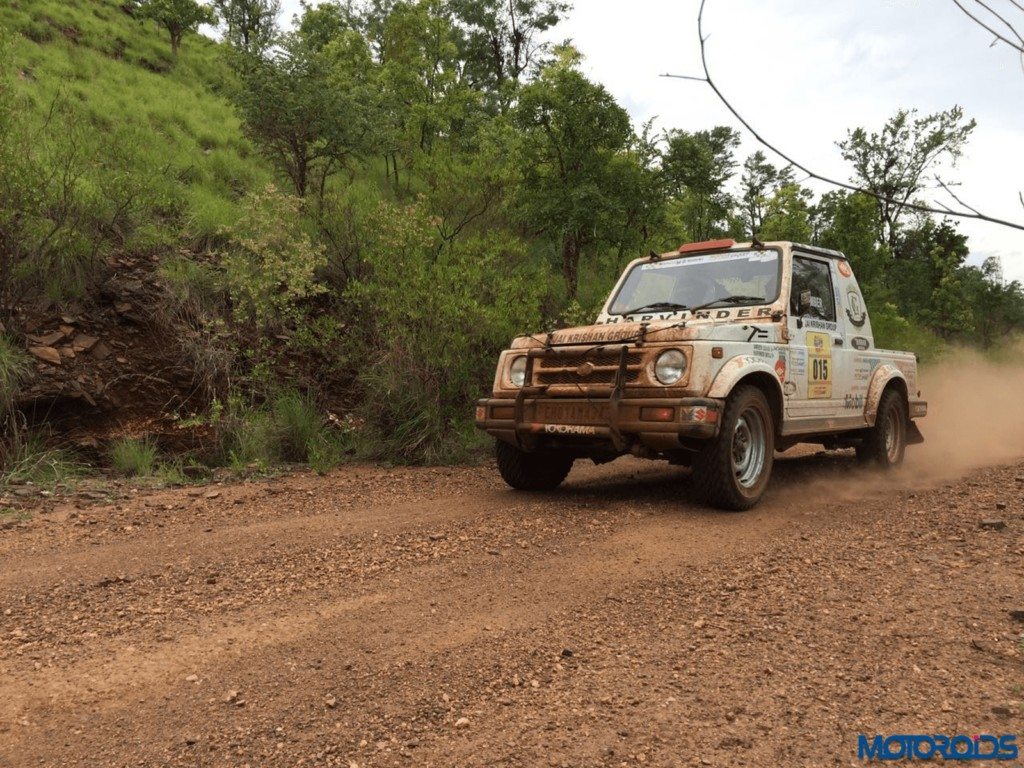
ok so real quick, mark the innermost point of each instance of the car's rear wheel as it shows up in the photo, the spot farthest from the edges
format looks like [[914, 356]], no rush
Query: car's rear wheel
[[531, 471], [733, 470], [886, 443]]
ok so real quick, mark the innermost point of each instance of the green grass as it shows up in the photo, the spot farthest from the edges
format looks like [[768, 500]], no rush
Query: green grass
[[133, 457], [163, 122], [14, 367], [288, 428], [32, 461]]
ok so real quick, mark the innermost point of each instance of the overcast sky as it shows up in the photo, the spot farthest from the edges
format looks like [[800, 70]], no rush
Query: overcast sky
[[803, 73]]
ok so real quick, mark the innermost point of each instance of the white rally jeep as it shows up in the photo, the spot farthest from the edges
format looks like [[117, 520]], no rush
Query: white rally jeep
[[714, 356]]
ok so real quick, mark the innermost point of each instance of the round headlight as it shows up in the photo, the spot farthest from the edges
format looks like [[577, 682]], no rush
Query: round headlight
[[670, 366], [517, 371]]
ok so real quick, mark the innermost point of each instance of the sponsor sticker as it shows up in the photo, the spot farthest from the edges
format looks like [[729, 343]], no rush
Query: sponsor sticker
[[819, 364]]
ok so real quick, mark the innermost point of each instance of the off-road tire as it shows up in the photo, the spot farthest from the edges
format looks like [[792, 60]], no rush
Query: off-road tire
[[886, 443], [535, 471], [716, 477]]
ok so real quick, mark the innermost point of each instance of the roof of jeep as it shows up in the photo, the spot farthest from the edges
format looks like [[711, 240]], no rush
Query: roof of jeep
[[728, 244]]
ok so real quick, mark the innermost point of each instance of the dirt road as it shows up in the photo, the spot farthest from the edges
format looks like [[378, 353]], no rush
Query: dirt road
[[381, 617]]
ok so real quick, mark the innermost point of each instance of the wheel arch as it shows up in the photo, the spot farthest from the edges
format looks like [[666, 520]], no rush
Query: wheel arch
[[887, 377], [756, 374]]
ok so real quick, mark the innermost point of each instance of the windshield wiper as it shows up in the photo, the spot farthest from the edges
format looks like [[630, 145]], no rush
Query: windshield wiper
[[664, 305], [735, 299]]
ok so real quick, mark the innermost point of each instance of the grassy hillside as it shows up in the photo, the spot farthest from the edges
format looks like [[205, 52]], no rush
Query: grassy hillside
[[133, 104]]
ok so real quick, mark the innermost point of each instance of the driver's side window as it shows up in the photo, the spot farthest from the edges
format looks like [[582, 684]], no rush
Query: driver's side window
[[812, 294]]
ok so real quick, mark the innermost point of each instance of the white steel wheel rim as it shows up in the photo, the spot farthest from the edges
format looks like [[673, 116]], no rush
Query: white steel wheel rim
[[749, 448], [893, 435]]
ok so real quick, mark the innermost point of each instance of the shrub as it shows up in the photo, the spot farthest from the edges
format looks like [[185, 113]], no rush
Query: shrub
[[271, 264], [288, 427], [33, 460], [14, 368], [437, 314], [298, 424], [893, 331], [133, 458]]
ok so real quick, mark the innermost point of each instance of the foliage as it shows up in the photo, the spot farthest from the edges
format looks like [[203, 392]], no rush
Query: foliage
[[893, 331], [288, 427], [14, 369], [759, 180], [437, 315], [270, 265], [178, 17], [697, 166], [133, 457], [290, 103], [443, 166], [787, 214], [894, 162], [250, 25], [500, 41], [573, 133]]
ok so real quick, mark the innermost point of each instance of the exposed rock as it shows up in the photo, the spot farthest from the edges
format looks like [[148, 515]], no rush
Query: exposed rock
[[46, 354], [84, 343]]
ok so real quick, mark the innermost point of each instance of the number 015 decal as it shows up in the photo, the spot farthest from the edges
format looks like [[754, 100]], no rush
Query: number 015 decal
[[819, 366]]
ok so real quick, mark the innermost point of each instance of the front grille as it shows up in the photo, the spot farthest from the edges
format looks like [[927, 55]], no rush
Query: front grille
[[597, 377], [563, 369]]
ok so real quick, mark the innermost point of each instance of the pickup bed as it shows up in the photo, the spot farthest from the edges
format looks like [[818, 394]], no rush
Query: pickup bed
[[714, 356]]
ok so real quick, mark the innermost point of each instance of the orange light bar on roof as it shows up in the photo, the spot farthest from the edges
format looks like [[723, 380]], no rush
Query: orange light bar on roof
[[706, 245]]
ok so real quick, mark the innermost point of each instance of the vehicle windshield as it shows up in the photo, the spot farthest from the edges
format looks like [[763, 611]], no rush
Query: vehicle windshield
[[734, 278]]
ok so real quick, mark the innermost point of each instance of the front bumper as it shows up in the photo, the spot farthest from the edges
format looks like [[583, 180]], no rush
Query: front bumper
[[658, 423]]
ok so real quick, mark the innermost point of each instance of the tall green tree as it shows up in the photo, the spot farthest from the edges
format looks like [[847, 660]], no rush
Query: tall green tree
[[848, 222], [997, 304], [787, 214], [426, 100], [759, 180], [251, 25], [573, 132], [178, 17], [697, 167], [311, 110], [501, 40], [899, 161]]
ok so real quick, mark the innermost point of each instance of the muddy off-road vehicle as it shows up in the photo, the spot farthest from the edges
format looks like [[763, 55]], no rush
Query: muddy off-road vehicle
[[714, 356]]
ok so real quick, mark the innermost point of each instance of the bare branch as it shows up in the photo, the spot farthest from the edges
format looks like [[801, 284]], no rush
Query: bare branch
[[961, 214], [686, 77], [952, 194], [1002, 18], [983, 25]]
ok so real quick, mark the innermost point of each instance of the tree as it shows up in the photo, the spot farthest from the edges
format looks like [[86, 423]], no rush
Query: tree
[[311, 111], [894, 163], [848, 222], [500, 41], [573, 131], [998, 306], [697, 166], [760, 178], [787, 214], [251, 24], [178, 17], [420, 82]]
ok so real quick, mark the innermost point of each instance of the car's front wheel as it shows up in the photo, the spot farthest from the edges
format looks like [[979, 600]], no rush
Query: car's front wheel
[[531, 471], [733, 470]]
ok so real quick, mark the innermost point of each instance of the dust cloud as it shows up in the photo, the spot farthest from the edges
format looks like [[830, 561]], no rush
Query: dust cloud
[[975, 419], [975, 415]]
